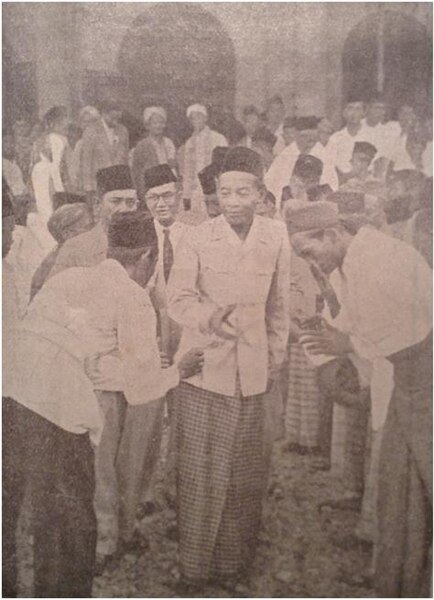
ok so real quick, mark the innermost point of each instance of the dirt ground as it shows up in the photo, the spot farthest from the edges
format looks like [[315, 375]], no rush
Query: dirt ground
[[295, 556]]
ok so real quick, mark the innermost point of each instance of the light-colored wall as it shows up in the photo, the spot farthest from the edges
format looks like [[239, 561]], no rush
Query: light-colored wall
[[294, 49]]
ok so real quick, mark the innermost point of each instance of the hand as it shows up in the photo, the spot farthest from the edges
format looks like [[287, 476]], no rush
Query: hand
[[219, 325], [191, 363], [329, 341], [165, 362], [91, 366]]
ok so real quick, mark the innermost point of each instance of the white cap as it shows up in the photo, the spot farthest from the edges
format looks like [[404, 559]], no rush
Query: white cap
[[200, 108], [153, 110]]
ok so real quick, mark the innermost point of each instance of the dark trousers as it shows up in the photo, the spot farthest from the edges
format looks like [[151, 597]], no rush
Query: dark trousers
[[57, 468]]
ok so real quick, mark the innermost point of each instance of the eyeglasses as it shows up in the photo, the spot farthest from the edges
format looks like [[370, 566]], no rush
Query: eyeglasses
[[165, 196]]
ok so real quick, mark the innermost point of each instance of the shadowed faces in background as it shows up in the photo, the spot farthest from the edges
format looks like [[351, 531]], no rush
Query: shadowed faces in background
[[353, 113]]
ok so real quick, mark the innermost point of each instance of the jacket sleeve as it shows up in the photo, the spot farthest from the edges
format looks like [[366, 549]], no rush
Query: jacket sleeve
[[187, 304], [277, 308]]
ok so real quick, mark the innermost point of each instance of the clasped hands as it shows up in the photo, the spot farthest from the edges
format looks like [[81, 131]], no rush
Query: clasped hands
[[325, 339]]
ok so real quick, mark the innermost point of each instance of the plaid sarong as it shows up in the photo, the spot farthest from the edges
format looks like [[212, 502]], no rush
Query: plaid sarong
[[221, 475], [302, 408]]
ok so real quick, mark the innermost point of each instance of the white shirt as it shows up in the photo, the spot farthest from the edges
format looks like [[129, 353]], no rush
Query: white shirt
[[385, 291], [341, 145], [427, 160], [214, 268], [79, 313], [110, 132], [280, 171], [280, 143]]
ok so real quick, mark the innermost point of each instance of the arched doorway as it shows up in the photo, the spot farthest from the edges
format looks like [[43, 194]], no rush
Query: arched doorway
[[391, 53], [174, 55]]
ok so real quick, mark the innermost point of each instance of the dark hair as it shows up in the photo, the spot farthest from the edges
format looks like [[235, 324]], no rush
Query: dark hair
[[250, 110], [55, 114], [106, 106]]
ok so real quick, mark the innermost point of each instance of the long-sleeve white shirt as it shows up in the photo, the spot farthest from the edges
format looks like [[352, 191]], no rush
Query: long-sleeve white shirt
[[214, 268], [385, 291], [80, 313]]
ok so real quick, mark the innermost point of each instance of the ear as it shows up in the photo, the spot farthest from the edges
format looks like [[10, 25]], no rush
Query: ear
[[331, 235]]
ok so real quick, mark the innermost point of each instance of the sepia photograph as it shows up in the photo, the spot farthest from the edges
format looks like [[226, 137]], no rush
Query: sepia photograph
[[217, 253]]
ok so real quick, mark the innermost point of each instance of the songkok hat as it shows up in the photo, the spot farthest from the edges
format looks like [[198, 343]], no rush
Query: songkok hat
[[365, 148], [207, 179], [7, 207], [153, 110], [348, 202], [61, 198], [117, 177], [308, 167], [305, 123], [289, 122], [243, 160], [317, 192], [314, 215], [132, 230], [158, 175], [65, 217], [200, 108]]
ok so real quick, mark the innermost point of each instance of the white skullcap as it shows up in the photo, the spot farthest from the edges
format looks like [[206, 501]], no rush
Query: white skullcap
[[200, 108], [89, 110], [153, 110]]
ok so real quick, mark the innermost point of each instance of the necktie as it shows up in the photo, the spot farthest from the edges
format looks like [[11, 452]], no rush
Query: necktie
[[326, 289], [167, 254]]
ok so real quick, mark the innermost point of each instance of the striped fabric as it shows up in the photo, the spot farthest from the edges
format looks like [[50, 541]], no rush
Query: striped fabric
[[302, 410], [221, 477]]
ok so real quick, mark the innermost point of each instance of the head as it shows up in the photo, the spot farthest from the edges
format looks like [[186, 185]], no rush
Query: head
[[266, 206], [87, 116], [325, 129], [8, 219], [162, 194], [69, 220], [251, 120], [275, 110], [407, 185], [306, 174], [8, 146], [21, 127], [197, 114], [363, 155], [289, 132], [133, 243], [155, 120], [415, 146], [116, 193], [376, 112], [56, 120], [406, 118], [354, 112], [111, 113], [325, 247], [307, 133], [212, 205]]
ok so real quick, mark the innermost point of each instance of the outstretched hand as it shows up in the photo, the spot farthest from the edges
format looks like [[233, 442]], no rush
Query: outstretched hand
[[328, 340]]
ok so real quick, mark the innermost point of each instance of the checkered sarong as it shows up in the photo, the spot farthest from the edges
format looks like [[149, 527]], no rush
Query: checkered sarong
[[302, 409], [221, 454]]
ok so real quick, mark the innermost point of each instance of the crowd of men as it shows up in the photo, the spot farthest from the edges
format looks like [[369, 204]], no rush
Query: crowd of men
[[273, 286]]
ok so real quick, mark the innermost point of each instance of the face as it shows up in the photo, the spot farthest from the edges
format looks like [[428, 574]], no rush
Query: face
[[163, 203], [306, 140], [359, 163], [212, 205], [116, 201], [198, 121], [376, 112], [8, 225], [238, 195], [87, 119], [317, 246], [251, 124], [325, 130], [353, 113], [289, 134], [156, 125], [112, 117], [265, 207], [406, 117], [61, 125], [395, 188]]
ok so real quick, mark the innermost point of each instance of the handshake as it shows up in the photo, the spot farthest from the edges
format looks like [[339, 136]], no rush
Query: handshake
[[191, 363]]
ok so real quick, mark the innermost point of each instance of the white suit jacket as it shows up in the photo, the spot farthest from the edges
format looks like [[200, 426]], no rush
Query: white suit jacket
[[214, 268]]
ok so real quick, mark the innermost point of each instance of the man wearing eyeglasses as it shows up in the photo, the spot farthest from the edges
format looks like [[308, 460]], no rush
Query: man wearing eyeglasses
[[162, 196]]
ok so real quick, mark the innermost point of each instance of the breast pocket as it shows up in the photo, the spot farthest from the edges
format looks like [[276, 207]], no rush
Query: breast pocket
[[219, 282]]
